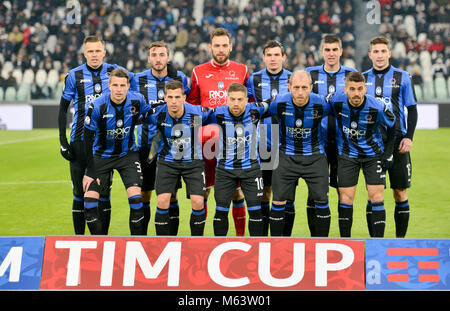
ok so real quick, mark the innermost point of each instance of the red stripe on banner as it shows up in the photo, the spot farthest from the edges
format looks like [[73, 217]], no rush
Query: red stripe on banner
[[412, 251], [429, 278], [398, 278], [397, 265], [428, 264]]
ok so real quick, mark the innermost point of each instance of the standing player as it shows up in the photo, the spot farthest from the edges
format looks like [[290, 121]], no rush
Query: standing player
[[82, 85], [328, 79], [302, 153], [180, 156], [238, 158], [395, 87], [360, 146], [265, 85], [150, 84], [209, 82], [110, 144]]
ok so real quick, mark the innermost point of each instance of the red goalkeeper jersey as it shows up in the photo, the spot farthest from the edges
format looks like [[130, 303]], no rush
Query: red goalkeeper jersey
[[209, 82]]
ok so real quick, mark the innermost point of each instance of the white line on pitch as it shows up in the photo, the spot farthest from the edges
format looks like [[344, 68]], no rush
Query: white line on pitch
[[26, 139]]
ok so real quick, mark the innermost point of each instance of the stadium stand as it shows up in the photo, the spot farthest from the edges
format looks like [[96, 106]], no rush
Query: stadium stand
[[39, 44]]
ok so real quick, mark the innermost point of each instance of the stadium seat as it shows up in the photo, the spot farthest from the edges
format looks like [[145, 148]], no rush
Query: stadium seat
[[17, 73], [41, 77], [418, 91], [51, 43], [428, 89], [52, 78], [399, 50], [10, 94], [440, 87], [8, 66], [23, 92], [410, 24], [28, 76], [2, 94], [178, 58], [57, 91]]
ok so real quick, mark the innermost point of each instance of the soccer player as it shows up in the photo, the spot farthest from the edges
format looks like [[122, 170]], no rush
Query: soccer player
[[302, 153], [395, 87], [180, 156], [238, 158], [265, 85], [328, 79], [110, 144], [150, 83], [83, 84], [360, 146], [209, 83]]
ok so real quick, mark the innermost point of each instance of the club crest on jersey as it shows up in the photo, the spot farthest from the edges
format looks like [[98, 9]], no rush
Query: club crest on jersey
[[354, 125], [331, 89], [239, 131], [378, 91], [161, 94], [119, 123], [97, 88], [87, 120], [177, 133], [298, 122], [274, 93], [220, 85]]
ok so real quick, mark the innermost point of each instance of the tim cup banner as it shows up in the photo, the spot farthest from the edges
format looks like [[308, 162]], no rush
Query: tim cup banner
[[161, 263]]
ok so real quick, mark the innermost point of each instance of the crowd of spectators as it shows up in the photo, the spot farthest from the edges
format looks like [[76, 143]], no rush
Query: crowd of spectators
[[40, 40]]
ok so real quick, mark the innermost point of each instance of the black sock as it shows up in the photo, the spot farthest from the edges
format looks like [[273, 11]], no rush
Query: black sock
[[323, 220], [220, 222], [174, 216], [79, 223], [311, 215], [255, 222], [91, 215], [345, 212], [401, 217], [197, 222], [136, 220], [147, 215], [104, 210], [265, 210], [378, 219], [276, 220], [162, 221], [369, 218], [289, 215]]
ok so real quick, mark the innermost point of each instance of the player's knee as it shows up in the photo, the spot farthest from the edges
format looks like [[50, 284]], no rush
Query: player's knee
[[91, 194], [400, 195], [267, 192], [238, 195], [164, 201], [197, 202]]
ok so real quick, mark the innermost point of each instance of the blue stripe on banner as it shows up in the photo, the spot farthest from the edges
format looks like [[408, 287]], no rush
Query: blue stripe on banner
[[89, 205], [222, 209], [197, 213], [278, 207], [345, 205], [254, 208]]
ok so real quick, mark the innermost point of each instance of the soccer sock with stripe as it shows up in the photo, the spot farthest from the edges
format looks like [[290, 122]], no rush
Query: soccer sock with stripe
[[147, 215], [239, 216], [92, 217], [276, 219], [289, 215], [197, 222], [79, 223], [136, 220], [378, 219], [174, 217], [369, 217], [220, 223], [401, 217], [104, 210], [345, 212], [323, 219], [311, 215], [265, 210], [255, 222], [162, 221]]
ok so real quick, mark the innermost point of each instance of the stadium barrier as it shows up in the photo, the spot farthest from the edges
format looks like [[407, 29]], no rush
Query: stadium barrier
[[222, 264]]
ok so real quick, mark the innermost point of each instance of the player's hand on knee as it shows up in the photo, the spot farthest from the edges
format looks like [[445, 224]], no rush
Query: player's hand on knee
[[66, 152], [87, 181]]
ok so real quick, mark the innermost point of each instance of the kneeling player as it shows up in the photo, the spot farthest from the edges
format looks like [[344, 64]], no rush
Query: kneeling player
[[110, 144], [360, 146], [238, 159]]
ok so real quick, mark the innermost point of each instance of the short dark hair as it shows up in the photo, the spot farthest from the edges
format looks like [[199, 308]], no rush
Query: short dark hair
[[273, 44], [93, 39], [355, 76], [380, 40], [120, 73], [330, 38], [219, 32], [236, 87], [173, 85]]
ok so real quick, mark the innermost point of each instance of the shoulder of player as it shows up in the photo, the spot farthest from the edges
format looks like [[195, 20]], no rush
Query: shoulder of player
[[346, 68], [313, 68], [338, 97], [373, 102]]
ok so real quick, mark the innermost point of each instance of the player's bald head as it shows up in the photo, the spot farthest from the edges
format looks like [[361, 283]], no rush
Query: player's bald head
[[301, 75]]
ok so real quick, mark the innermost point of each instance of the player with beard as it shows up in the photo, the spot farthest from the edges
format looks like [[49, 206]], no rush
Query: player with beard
[[209, 84]]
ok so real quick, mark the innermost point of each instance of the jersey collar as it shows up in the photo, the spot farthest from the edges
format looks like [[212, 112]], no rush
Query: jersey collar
[[381, 71], [218, 66]]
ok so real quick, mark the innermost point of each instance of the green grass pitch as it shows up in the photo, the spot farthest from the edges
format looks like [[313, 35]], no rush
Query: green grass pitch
[[36, 193]]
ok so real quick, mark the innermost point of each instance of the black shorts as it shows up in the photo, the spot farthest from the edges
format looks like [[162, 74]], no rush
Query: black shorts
[[227, 180], [128, 166], [168, 176], [149, 176], [313, 169], [400, 172], [348, 171]]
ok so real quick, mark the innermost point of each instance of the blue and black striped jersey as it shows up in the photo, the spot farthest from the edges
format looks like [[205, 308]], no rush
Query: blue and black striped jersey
[[82, 85], [238, 136], [179, 136], [152, 88], [358, 128], [326, 83], [395, 88], [299, 127], [114, 124], [264, 86]]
